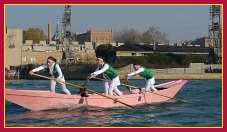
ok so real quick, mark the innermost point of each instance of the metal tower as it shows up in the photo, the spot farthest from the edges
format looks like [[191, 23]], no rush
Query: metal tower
[[68, 53], [215, 30]]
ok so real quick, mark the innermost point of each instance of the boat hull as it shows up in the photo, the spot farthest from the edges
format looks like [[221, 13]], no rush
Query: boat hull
[[37, 100]]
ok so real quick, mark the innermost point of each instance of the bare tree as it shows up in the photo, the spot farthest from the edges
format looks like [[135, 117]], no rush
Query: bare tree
[[132, 36], [128, 36], [154, 33]]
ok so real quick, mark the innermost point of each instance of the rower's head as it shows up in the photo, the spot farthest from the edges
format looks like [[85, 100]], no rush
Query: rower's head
[[50, 60], [99, 60], [136, 65]]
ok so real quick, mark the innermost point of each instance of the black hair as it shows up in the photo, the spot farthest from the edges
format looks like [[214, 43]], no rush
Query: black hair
[[136, 63], [52, 58], [101, 57]]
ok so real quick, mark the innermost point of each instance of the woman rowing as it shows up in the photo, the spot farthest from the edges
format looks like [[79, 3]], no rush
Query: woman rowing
[[144, 73], [111, 77], [55, 72]]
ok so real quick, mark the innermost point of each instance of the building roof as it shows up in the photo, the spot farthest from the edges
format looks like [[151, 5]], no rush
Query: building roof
[[162, 48]]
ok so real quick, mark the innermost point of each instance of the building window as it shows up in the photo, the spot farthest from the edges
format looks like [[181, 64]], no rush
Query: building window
[[33, 59], [23, 58]]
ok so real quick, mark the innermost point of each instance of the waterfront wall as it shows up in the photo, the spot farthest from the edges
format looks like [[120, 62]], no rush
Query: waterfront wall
[[194, 68], [194, 71]]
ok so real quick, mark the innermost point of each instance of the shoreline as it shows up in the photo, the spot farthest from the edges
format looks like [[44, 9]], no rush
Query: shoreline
[[205, 76]]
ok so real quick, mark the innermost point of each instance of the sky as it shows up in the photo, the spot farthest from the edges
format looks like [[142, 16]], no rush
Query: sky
[[181, 22]]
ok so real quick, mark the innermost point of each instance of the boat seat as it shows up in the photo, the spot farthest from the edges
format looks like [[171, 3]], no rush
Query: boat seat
[[160, 88]]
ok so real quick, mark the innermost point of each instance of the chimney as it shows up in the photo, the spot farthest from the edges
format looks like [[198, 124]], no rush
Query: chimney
[[49, 33]]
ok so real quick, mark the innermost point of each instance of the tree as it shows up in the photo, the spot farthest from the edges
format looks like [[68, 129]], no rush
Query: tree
[[34, 34], [132, 36], [146, 38], [152, 34], [106, 51], [128, 36]]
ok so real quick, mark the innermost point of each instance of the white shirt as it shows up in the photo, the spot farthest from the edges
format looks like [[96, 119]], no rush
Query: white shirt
[[104, 68], [57, 67], [135, 73]]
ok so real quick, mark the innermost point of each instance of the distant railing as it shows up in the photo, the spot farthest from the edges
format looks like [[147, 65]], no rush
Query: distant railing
[[194, 68], [15, 75]]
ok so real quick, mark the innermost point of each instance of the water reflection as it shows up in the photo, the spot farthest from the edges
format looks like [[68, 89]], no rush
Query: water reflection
[[64, 117]]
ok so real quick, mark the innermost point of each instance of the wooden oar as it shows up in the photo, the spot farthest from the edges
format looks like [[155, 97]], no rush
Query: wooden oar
[[77, 86], [152, 92], [163, 95], [86, 94], [129, 89]]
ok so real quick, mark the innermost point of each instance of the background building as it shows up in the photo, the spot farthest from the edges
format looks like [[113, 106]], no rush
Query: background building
[[95, 36], [13, 42]]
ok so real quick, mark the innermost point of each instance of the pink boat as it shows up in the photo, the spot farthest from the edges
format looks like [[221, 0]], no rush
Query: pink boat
[[37, 100]]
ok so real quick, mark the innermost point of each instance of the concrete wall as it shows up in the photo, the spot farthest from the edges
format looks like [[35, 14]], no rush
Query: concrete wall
[[30, 57], [194, 68], [13, 44], [39, 57]]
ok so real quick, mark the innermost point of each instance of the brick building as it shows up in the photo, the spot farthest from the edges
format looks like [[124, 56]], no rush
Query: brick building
[[97, 36]]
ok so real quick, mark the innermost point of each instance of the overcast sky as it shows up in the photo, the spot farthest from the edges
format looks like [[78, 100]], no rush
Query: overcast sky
[[181, 22]]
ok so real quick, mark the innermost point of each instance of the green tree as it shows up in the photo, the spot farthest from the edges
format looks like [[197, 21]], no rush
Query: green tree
[[34, 34], [106, 51], [188, 58], [176, 58], [158, 58]]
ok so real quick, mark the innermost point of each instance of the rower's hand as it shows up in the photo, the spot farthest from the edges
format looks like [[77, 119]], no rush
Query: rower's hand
[[126, 76], [92, 75], [31, 72], [88, 78], [57, 79]]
